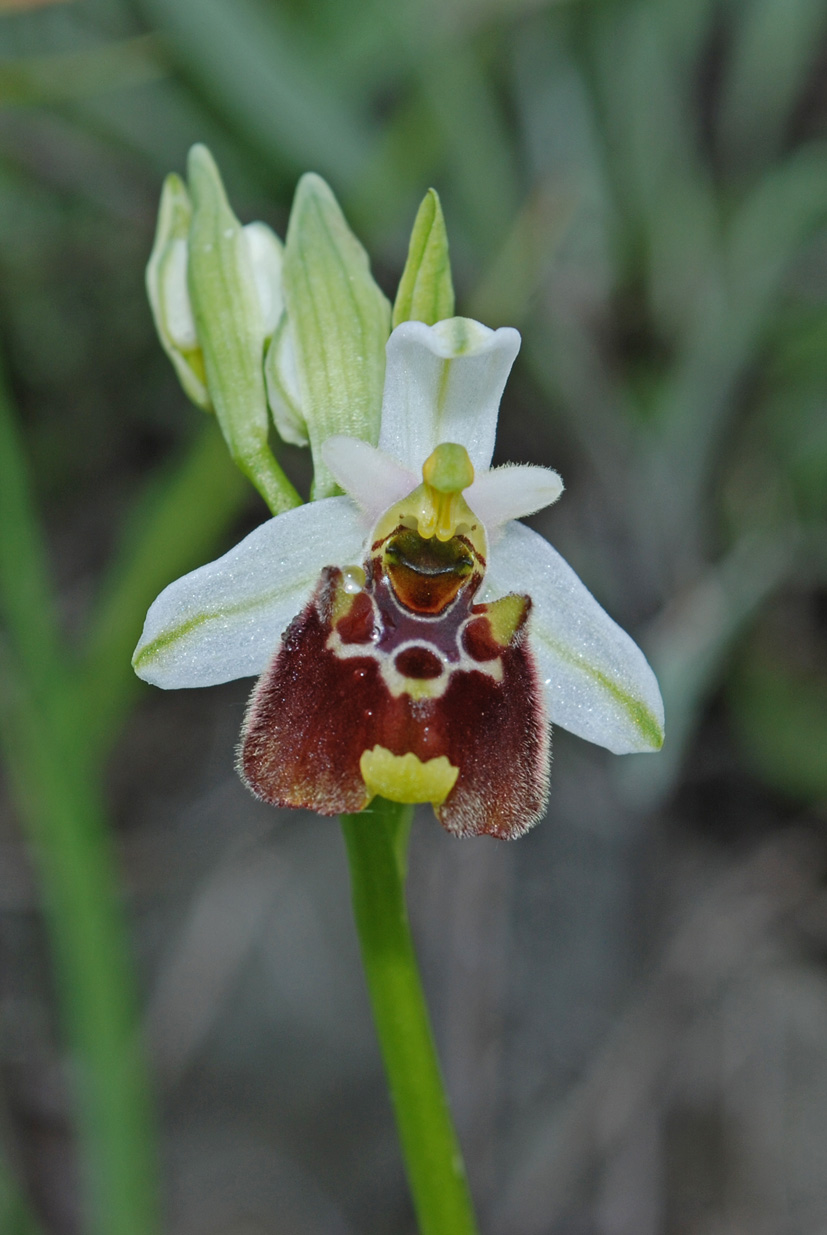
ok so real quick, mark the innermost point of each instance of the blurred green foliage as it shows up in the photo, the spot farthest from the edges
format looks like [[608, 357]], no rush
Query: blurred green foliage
[[639, 185]]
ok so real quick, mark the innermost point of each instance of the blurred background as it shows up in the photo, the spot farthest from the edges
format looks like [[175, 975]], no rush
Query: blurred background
[[631, 1002]]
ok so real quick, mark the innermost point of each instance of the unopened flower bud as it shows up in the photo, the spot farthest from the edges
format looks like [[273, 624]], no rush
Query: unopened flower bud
[[326, 368], [169, 299], [215, 288]]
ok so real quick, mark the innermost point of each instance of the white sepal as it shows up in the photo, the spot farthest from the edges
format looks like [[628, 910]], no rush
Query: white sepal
[[265, 250], [224, 620], [598, 682], [443, 383]]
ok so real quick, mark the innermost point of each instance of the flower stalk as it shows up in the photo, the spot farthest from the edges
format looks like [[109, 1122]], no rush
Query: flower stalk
[[376, 841]]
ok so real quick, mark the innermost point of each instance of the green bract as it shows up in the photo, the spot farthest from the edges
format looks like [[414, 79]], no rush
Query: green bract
[[426, 291]]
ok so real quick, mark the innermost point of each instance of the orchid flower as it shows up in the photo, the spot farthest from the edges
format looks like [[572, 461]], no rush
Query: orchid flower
[[413, 640]]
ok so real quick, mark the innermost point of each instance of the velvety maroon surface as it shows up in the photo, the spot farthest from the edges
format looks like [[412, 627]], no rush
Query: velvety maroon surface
[[319, 707]]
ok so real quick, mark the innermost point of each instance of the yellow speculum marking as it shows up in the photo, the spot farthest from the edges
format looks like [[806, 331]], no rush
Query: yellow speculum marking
[[504, 616], [405, 778], [352, 582]]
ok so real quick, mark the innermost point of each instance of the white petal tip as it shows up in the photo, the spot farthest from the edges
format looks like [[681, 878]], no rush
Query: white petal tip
[[512, 492], [368, 475]]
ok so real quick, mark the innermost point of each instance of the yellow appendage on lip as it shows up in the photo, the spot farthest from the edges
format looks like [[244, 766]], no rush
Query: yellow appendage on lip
[[405, 778]]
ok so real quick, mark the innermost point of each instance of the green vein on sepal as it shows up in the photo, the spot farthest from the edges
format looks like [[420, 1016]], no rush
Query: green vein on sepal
[[643, 720], [161, 643]]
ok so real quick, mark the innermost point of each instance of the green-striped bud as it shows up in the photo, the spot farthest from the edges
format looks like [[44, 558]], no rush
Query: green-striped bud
[[215, 289], [169, 298], [326, 363]]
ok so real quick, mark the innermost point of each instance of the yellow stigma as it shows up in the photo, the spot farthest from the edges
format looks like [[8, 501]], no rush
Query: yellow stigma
[[405, 778], [445, 473]]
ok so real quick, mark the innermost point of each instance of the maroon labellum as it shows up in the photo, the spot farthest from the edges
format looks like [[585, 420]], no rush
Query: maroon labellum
[[407, 666]]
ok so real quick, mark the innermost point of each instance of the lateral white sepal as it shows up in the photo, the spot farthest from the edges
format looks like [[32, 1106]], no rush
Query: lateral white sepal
[[598, 682], [224, 620]]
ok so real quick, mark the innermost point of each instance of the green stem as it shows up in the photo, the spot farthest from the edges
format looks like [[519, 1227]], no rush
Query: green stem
[[376, 842]]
